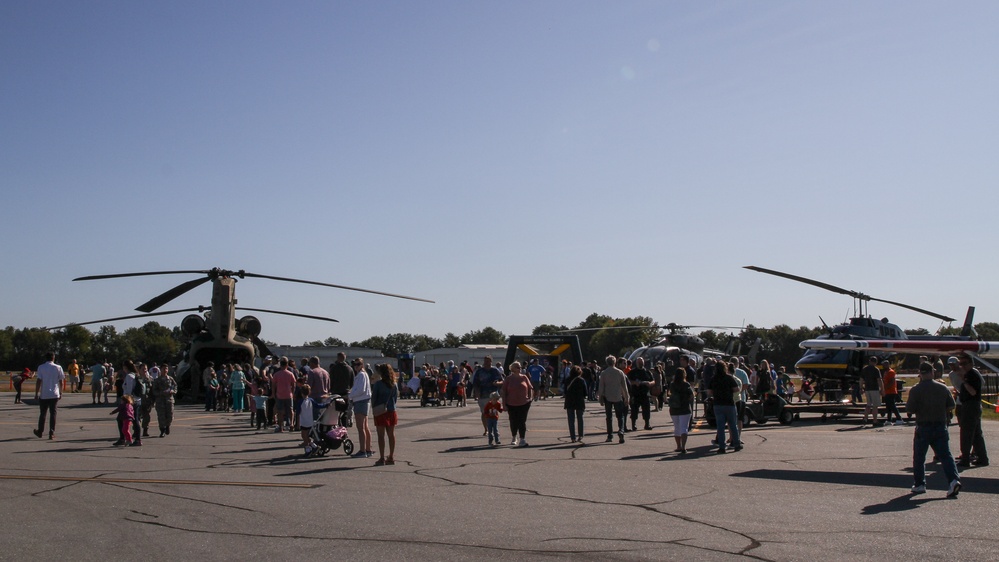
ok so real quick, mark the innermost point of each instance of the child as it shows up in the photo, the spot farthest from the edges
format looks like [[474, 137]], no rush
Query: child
[[491, 414], [460, 390], [260, 403], [308, 412], [126, 417]]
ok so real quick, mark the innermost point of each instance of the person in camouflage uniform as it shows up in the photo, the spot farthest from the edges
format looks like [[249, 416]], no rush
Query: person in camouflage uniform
[[163, 391]]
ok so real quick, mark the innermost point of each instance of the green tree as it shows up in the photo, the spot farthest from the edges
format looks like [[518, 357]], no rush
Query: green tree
[[30, 345], [374, 342], [334, 342], [7, 349], [586, 330], [451, 340], [621, 336], [988, 331], [73, 342], [549, 330], [487, 335]]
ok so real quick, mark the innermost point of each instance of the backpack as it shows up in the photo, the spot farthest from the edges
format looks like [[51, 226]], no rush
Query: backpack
[[139, 388]]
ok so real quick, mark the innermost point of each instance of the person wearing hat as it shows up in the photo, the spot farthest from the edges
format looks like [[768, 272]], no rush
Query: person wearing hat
[[931, 402]]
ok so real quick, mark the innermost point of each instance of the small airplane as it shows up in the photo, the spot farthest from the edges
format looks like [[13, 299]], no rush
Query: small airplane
[[215, 333], [841, 361]]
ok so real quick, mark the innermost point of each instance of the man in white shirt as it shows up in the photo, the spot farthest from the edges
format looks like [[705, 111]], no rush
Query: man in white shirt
[[49, 378]]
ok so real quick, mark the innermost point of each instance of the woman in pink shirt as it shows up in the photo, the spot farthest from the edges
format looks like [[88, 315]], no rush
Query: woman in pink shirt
[[516, 393]]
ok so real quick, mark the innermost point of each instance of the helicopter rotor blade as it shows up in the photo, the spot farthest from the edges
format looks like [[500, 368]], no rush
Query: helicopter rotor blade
[[808, 281], [289, 279], [910, 307], [198, 309], [854, 294], [289, 314], [140, 274], [173, 293]]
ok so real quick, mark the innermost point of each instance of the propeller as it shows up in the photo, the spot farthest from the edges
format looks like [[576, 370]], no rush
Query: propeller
[[215, 273], [289, 314], [855, 294], [198, 309]]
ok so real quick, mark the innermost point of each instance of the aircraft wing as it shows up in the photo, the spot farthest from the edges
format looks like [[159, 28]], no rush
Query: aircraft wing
[[988, 349]]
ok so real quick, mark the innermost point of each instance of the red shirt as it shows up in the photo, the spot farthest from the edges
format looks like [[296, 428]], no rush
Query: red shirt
[[284, 384], [889, 381]]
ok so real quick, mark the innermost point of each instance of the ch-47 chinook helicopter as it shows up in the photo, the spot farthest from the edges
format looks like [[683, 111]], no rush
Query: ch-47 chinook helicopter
[[217, 335], [842, 364]]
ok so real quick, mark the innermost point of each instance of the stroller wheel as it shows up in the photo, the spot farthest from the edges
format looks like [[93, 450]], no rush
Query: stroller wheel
[[348, 446]]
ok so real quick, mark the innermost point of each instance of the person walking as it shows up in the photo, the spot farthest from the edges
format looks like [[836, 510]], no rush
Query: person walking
[[575, 403], [931, 402], [516, 393], [612, 393], [384, 394], [48, 379]]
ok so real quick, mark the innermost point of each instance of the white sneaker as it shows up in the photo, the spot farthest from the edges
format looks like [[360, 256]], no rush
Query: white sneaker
[[899, 422], [955, 487], [921, 489], [524, 443], [514, 442]]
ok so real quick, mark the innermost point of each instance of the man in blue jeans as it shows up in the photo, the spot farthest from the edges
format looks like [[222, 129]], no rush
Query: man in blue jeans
[[612, 392], [931, 402], [724, 390]]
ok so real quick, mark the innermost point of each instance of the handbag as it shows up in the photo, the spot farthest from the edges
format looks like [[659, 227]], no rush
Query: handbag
[[379, 409]]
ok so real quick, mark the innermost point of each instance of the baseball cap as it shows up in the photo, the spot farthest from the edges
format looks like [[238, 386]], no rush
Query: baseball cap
[[953, 361]]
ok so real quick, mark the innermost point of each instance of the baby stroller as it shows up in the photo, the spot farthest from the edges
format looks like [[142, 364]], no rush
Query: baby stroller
[[430, 393], [330, 430]]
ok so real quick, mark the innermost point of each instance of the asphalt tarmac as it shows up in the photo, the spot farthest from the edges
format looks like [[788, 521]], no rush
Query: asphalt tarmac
[[215, 489]]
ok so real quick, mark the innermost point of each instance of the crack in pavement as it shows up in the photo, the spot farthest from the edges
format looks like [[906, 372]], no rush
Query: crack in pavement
[[406, 542], [166, 495], [753, 542]]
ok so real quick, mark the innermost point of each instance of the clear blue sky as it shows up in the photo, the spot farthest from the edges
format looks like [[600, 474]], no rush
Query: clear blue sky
[[518, 162]]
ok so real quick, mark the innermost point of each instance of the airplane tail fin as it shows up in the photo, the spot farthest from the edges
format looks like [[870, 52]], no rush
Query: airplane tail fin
[[968, 330]]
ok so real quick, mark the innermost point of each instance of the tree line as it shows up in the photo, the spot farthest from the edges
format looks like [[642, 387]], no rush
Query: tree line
[[599, 335]]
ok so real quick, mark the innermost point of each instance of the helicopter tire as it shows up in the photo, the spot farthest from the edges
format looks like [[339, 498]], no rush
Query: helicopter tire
[[746, 418]]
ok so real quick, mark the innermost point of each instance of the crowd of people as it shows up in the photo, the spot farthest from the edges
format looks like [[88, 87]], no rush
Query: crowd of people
[[286, 396]]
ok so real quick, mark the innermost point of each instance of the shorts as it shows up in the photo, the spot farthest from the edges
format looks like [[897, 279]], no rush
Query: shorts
[[282, 406], [362, 407], [482, 404], [388, 419], [681, 424], [873, 398]]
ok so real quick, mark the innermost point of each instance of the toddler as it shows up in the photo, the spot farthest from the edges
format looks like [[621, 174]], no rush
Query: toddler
[[491, 413], [126, 417]]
